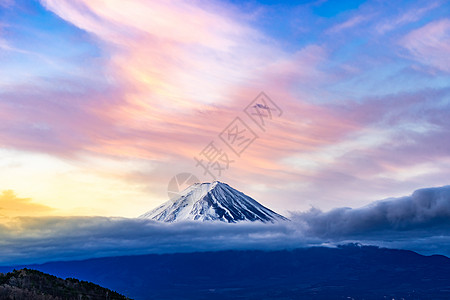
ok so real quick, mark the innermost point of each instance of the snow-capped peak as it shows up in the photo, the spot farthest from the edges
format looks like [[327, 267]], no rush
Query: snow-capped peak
[[212, 201]]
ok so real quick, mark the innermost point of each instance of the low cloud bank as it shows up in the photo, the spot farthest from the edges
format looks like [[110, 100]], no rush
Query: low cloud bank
[[419, 222], [426, 209], [55, 238]]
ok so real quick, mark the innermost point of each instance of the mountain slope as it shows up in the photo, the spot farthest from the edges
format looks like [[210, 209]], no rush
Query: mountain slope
[[214, 201]]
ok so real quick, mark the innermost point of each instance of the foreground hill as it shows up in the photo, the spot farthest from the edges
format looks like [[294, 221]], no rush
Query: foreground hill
[[352, 271], [28, 284]]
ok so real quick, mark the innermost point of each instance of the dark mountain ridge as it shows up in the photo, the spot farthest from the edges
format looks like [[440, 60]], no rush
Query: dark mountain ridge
[[358, 272]]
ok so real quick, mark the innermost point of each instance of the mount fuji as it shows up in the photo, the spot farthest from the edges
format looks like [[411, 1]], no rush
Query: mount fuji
[[214, 201]]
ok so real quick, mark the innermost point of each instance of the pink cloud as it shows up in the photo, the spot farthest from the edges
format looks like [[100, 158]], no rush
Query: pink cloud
[[171, 94], [430, 44], [350, 23], [409, 16], [6, 3], [179, 87]]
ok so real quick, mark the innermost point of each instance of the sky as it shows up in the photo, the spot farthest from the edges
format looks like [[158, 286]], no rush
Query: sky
[[102, 103]]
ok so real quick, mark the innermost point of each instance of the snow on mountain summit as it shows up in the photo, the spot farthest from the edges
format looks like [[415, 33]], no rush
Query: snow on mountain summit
[[214, 201]]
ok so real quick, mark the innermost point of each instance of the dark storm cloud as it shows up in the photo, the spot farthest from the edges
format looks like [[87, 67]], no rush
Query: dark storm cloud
[[42, 239], [426, 210]]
